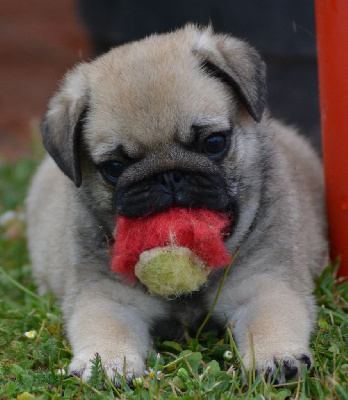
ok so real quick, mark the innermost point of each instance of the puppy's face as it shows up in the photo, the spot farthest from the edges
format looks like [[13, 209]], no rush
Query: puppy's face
[[159, 123]]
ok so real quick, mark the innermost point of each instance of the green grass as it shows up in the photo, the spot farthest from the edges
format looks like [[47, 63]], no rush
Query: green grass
[[36, 367]]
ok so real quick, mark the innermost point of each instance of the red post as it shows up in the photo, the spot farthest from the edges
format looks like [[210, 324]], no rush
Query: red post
[[332, 42]]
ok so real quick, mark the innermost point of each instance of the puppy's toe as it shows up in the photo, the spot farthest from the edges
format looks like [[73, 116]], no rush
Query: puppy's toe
[[306, 359], [112, 364], [77, 367], [289, 368], [81, 368], [279, 370], [116, 375]]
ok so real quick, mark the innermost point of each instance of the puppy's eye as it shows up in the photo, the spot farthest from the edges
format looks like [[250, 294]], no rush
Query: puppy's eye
[[112, 170], [215, 145]]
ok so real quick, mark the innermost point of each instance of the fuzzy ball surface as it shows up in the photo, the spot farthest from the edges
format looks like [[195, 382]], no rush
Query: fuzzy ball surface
[[170, 271]]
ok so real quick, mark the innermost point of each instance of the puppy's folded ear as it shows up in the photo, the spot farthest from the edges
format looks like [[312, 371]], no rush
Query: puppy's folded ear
[[62, 125], [237, 64]]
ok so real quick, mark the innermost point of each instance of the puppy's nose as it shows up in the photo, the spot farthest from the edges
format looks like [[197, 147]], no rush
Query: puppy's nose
[[171, 181]]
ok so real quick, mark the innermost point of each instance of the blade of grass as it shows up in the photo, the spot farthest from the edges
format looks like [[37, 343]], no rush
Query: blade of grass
[[233, 344], [176, 361], [217, 295], [86, 384], [19, 286]]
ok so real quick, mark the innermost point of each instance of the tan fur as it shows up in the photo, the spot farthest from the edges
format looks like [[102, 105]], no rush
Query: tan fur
[[147, 96]]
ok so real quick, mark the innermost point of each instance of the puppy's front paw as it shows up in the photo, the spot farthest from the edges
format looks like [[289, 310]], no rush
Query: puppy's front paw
[[280, 366], [112, 363]]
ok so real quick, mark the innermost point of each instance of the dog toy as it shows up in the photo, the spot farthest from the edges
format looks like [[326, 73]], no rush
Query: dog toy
[[171, 252]]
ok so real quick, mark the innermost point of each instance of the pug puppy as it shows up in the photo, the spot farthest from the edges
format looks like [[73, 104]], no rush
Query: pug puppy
[[177, 120]]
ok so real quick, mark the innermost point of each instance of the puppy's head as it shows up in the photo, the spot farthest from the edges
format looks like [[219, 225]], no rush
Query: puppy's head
[[155, 123]]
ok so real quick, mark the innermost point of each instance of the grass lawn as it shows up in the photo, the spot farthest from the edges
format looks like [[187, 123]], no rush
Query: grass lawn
[[34, 353]]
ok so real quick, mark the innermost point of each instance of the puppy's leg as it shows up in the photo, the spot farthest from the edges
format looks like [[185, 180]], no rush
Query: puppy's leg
[[271, 325], [109, 319]]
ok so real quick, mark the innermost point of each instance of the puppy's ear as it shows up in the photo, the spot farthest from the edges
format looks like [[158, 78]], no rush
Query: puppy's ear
[[237, 64], [62, 125]]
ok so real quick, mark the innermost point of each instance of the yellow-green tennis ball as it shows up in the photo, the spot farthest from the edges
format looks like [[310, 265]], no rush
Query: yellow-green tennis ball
[[171, 271]]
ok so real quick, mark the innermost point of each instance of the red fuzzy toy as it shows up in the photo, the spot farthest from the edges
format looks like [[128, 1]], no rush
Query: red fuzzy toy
[[201, 231]]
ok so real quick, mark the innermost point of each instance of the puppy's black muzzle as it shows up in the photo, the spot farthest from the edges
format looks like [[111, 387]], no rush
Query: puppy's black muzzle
[[173, 188]]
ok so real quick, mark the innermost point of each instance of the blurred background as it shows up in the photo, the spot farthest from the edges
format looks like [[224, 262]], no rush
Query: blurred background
[[41, 39]]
